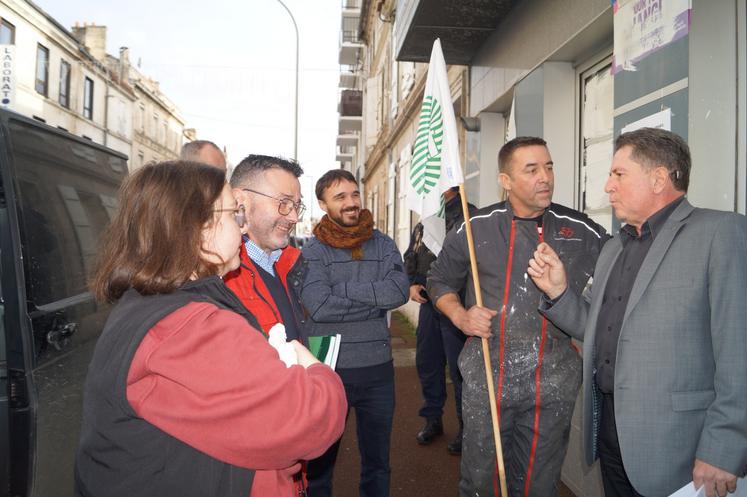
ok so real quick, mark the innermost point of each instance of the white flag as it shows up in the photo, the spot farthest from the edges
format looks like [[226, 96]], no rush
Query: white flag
[[435, 159]]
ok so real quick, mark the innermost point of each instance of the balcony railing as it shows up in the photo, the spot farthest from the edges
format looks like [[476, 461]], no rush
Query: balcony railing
[[349, 139], [351, 103], [351, 4], [350, 36]]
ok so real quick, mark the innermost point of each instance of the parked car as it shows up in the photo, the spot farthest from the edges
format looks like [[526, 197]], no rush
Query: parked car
[[57, 194]]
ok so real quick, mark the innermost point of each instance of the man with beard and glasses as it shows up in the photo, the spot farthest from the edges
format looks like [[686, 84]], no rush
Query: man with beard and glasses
[[355, 275], [537, 370], [271, 270]]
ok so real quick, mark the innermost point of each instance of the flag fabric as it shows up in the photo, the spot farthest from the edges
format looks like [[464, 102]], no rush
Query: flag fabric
[[435, 163]]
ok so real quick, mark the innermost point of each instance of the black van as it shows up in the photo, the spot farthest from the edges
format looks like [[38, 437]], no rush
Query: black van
[[57, 194]]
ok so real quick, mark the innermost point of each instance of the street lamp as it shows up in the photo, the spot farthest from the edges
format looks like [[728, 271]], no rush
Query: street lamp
[[295, 120]]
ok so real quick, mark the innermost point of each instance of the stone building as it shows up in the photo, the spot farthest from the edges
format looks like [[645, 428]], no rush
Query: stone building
[[66, 79]]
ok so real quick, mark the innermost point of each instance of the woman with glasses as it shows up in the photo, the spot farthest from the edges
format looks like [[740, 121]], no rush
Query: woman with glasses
[[184, 396]]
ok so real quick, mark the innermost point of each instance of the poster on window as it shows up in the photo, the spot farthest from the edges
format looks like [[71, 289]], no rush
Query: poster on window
[[644, 26], [658, 120]]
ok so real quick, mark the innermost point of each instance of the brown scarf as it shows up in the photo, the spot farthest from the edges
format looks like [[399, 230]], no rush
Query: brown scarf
[[348, 237]]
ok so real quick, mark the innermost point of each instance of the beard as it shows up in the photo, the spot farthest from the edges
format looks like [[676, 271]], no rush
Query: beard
[[348, 217]]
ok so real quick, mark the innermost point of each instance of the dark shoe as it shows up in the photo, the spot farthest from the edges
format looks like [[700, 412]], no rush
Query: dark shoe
[[433, 428], [455, 446]]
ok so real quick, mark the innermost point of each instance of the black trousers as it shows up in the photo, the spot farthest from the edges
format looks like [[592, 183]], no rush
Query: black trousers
[[614, 478], [373, 402], [439, 342]]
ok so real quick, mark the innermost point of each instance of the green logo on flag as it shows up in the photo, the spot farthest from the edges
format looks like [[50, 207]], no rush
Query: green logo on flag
[[426, 161]]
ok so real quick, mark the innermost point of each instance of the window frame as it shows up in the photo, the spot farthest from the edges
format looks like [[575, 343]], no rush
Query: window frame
[[88, 98], [37, 82], [141, 119], [11, 27], [585, 72], [65, 84]]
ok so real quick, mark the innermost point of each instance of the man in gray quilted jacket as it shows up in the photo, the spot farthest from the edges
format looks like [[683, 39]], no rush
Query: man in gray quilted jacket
[[355, 275]]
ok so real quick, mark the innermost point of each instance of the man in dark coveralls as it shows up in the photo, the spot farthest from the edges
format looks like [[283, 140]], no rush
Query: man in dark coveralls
[[536, 368]]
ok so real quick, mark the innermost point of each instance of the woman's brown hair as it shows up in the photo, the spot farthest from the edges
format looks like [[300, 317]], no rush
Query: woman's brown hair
[[154, 243]]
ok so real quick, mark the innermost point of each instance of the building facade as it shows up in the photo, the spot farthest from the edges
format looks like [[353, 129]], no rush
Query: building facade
[[577, 73], [66, 79], [380, 99]]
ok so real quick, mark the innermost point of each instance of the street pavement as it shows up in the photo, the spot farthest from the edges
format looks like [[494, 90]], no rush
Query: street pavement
[[417, 471]]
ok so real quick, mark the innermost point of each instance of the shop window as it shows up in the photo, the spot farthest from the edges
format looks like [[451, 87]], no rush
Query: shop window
[[596, 141]]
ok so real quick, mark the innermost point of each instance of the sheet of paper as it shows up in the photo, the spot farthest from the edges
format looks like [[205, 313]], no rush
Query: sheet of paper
[[689, 490]]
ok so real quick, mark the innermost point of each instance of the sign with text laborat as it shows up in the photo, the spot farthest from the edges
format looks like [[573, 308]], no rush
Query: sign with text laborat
[[7, 76], [435, 158], [644, 26]]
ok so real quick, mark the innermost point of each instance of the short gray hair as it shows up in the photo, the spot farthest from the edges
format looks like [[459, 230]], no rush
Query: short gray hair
[[191, 151]]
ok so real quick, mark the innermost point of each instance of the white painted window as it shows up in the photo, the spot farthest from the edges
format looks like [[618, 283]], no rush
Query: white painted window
[[390, 196], [408, 78], [371, 111], [394, 85], [403, 219], [596, 141]]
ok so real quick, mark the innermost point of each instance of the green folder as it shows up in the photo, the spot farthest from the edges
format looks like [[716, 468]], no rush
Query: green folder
[[325, 348]]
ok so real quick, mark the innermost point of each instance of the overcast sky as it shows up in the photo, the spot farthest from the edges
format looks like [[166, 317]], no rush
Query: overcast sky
[[229, 67]]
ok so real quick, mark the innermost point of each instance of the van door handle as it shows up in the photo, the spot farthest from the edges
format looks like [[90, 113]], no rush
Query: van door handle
[[59, 338]]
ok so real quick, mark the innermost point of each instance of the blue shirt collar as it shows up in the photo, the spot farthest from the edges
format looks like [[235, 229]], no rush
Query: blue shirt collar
[[260, 257]]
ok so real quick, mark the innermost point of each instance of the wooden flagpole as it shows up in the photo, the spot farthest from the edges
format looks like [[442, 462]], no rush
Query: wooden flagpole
[[485, 348]]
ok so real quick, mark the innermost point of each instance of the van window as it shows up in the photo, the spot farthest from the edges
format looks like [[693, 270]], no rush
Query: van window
[[67, 195]]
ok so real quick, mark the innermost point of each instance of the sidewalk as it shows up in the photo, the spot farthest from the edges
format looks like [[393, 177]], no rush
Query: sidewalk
[[417, 471]]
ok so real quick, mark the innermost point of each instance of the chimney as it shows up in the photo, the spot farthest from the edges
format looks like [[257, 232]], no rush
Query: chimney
[[124, 63], [93, 38]]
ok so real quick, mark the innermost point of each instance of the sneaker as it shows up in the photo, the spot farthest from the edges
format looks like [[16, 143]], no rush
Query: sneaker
[[433, 428]]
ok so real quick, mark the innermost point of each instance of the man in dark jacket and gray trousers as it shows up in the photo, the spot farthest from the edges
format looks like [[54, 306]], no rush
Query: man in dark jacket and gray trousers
[[439, 342], [355, 275]]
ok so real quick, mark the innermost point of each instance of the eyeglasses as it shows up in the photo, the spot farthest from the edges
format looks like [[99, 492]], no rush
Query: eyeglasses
[[239, 213], [284, 204]]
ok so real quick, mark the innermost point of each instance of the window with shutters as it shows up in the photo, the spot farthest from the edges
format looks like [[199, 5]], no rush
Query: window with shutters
[[88, 98], [42, 70], [64, 84]]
